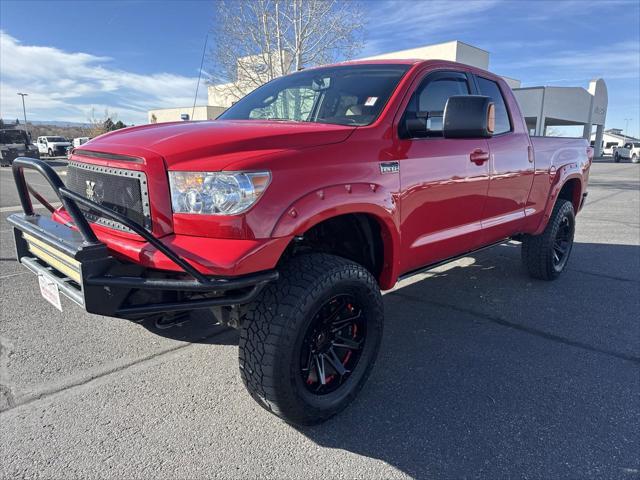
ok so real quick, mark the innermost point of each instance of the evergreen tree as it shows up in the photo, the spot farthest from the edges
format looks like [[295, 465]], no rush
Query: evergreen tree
[[109, 126]]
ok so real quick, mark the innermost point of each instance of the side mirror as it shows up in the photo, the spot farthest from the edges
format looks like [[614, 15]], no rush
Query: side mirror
[[415, 127], [469, 116]]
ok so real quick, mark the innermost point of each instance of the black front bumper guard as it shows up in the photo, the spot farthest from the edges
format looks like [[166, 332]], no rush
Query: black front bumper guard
[[85, 271]]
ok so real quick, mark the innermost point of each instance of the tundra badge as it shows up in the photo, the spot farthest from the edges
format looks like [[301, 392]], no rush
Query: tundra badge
[[389, 167]]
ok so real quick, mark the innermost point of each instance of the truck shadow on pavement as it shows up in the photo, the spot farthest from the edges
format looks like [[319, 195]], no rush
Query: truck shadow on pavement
[[486, 373]]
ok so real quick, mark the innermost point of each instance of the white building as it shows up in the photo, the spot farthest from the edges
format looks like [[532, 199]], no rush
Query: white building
[[454, 51], [545, 107], [200, 112], [542, 107], [612, 138]]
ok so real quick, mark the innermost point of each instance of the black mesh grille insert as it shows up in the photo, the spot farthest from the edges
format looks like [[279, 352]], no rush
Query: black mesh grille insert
[[123, 191]]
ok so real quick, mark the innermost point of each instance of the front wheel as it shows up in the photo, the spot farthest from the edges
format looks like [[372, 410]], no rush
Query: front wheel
[[309, 342], [616, 158], [635, 159], [545, 256]]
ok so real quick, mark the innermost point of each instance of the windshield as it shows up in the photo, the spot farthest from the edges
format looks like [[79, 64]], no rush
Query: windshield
[[344, 95], [13, 136], [56, 139]]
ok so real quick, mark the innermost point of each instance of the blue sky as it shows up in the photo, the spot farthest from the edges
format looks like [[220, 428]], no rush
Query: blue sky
[[130, 56]]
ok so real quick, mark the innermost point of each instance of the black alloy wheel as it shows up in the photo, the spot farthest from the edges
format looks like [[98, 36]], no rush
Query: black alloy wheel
[[332, 345], [309, 341], [562, 243], [546, 255]]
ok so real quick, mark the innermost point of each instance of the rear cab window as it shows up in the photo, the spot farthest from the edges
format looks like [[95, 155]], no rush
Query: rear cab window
[[491, 89]]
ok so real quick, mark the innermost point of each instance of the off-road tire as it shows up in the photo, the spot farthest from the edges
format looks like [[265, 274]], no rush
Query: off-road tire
[[538, 250], [273, 330]]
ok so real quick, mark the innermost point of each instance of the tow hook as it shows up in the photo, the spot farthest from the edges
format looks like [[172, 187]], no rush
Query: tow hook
[[168, 320]]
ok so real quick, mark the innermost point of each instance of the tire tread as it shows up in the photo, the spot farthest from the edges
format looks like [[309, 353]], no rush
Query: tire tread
[[268, 327], [537, 249]]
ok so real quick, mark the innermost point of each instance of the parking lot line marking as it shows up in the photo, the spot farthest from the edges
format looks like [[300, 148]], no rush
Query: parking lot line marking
[[61, 387], [18, 208], [8, 171], [2, 277]]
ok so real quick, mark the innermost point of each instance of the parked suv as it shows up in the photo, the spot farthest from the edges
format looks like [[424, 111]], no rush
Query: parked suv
[[53, 146], [629, 151], [291, 212]]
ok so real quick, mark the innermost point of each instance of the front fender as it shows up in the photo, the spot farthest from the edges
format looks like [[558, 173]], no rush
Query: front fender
[[362, 198]]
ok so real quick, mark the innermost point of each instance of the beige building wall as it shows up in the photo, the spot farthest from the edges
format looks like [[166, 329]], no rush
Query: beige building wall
[[225, 94], [454, 51], [252, 71], [205, 112]]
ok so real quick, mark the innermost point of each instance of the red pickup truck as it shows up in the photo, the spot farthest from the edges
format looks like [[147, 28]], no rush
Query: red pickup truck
[[291, 212]]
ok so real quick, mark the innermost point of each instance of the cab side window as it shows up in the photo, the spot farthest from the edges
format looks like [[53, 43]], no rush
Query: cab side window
[[491, 89], [430, 98]]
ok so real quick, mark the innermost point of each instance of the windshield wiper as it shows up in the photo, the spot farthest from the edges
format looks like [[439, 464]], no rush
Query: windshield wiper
[[276, 119]]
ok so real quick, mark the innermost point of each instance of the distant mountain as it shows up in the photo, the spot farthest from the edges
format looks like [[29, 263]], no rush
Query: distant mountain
[[58, 123], [53, 123]]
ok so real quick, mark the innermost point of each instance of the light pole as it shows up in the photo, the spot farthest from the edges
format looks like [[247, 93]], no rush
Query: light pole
[[626, 127], [24, 110]]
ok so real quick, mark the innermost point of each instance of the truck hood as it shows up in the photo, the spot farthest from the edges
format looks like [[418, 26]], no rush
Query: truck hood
[[217, 143]]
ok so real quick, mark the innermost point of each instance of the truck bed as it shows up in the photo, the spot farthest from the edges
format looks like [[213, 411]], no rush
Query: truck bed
[[558, 151]]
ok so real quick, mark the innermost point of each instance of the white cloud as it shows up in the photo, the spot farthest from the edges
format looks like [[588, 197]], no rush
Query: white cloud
[[616, 61], [406, 20], [66, 86]]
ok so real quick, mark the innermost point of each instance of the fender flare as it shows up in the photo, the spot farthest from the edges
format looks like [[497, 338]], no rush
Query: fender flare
[[354, 198], [558, 180]]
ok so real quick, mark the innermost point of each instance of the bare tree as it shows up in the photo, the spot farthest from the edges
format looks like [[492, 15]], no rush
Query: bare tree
[[99, 125], [258, 40]]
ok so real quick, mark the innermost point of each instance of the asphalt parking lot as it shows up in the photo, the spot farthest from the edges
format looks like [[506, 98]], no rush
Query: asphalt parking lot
[[483, 373]]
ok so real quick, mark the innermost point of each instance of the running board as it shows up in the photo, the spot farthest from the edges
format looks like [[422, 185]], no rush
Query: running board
[[449, 260]]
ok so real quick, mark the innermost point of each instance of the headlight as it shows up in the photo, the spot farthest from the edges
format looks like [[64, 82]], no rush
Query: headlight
[[216, 193]]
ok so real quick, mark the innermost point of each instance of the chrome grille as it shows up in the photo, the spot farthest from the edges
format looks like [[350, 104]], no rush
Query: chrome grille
[[123, 191]]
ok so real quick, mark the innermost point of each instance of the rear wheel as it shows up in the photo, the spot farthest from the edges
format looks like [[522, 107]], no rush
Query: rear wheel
[[545, 256], [310, 341]]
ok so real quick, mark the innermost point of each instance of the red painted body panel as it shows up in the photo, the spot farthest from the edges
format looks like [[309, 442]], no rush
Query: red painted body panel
[[439, 205]]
